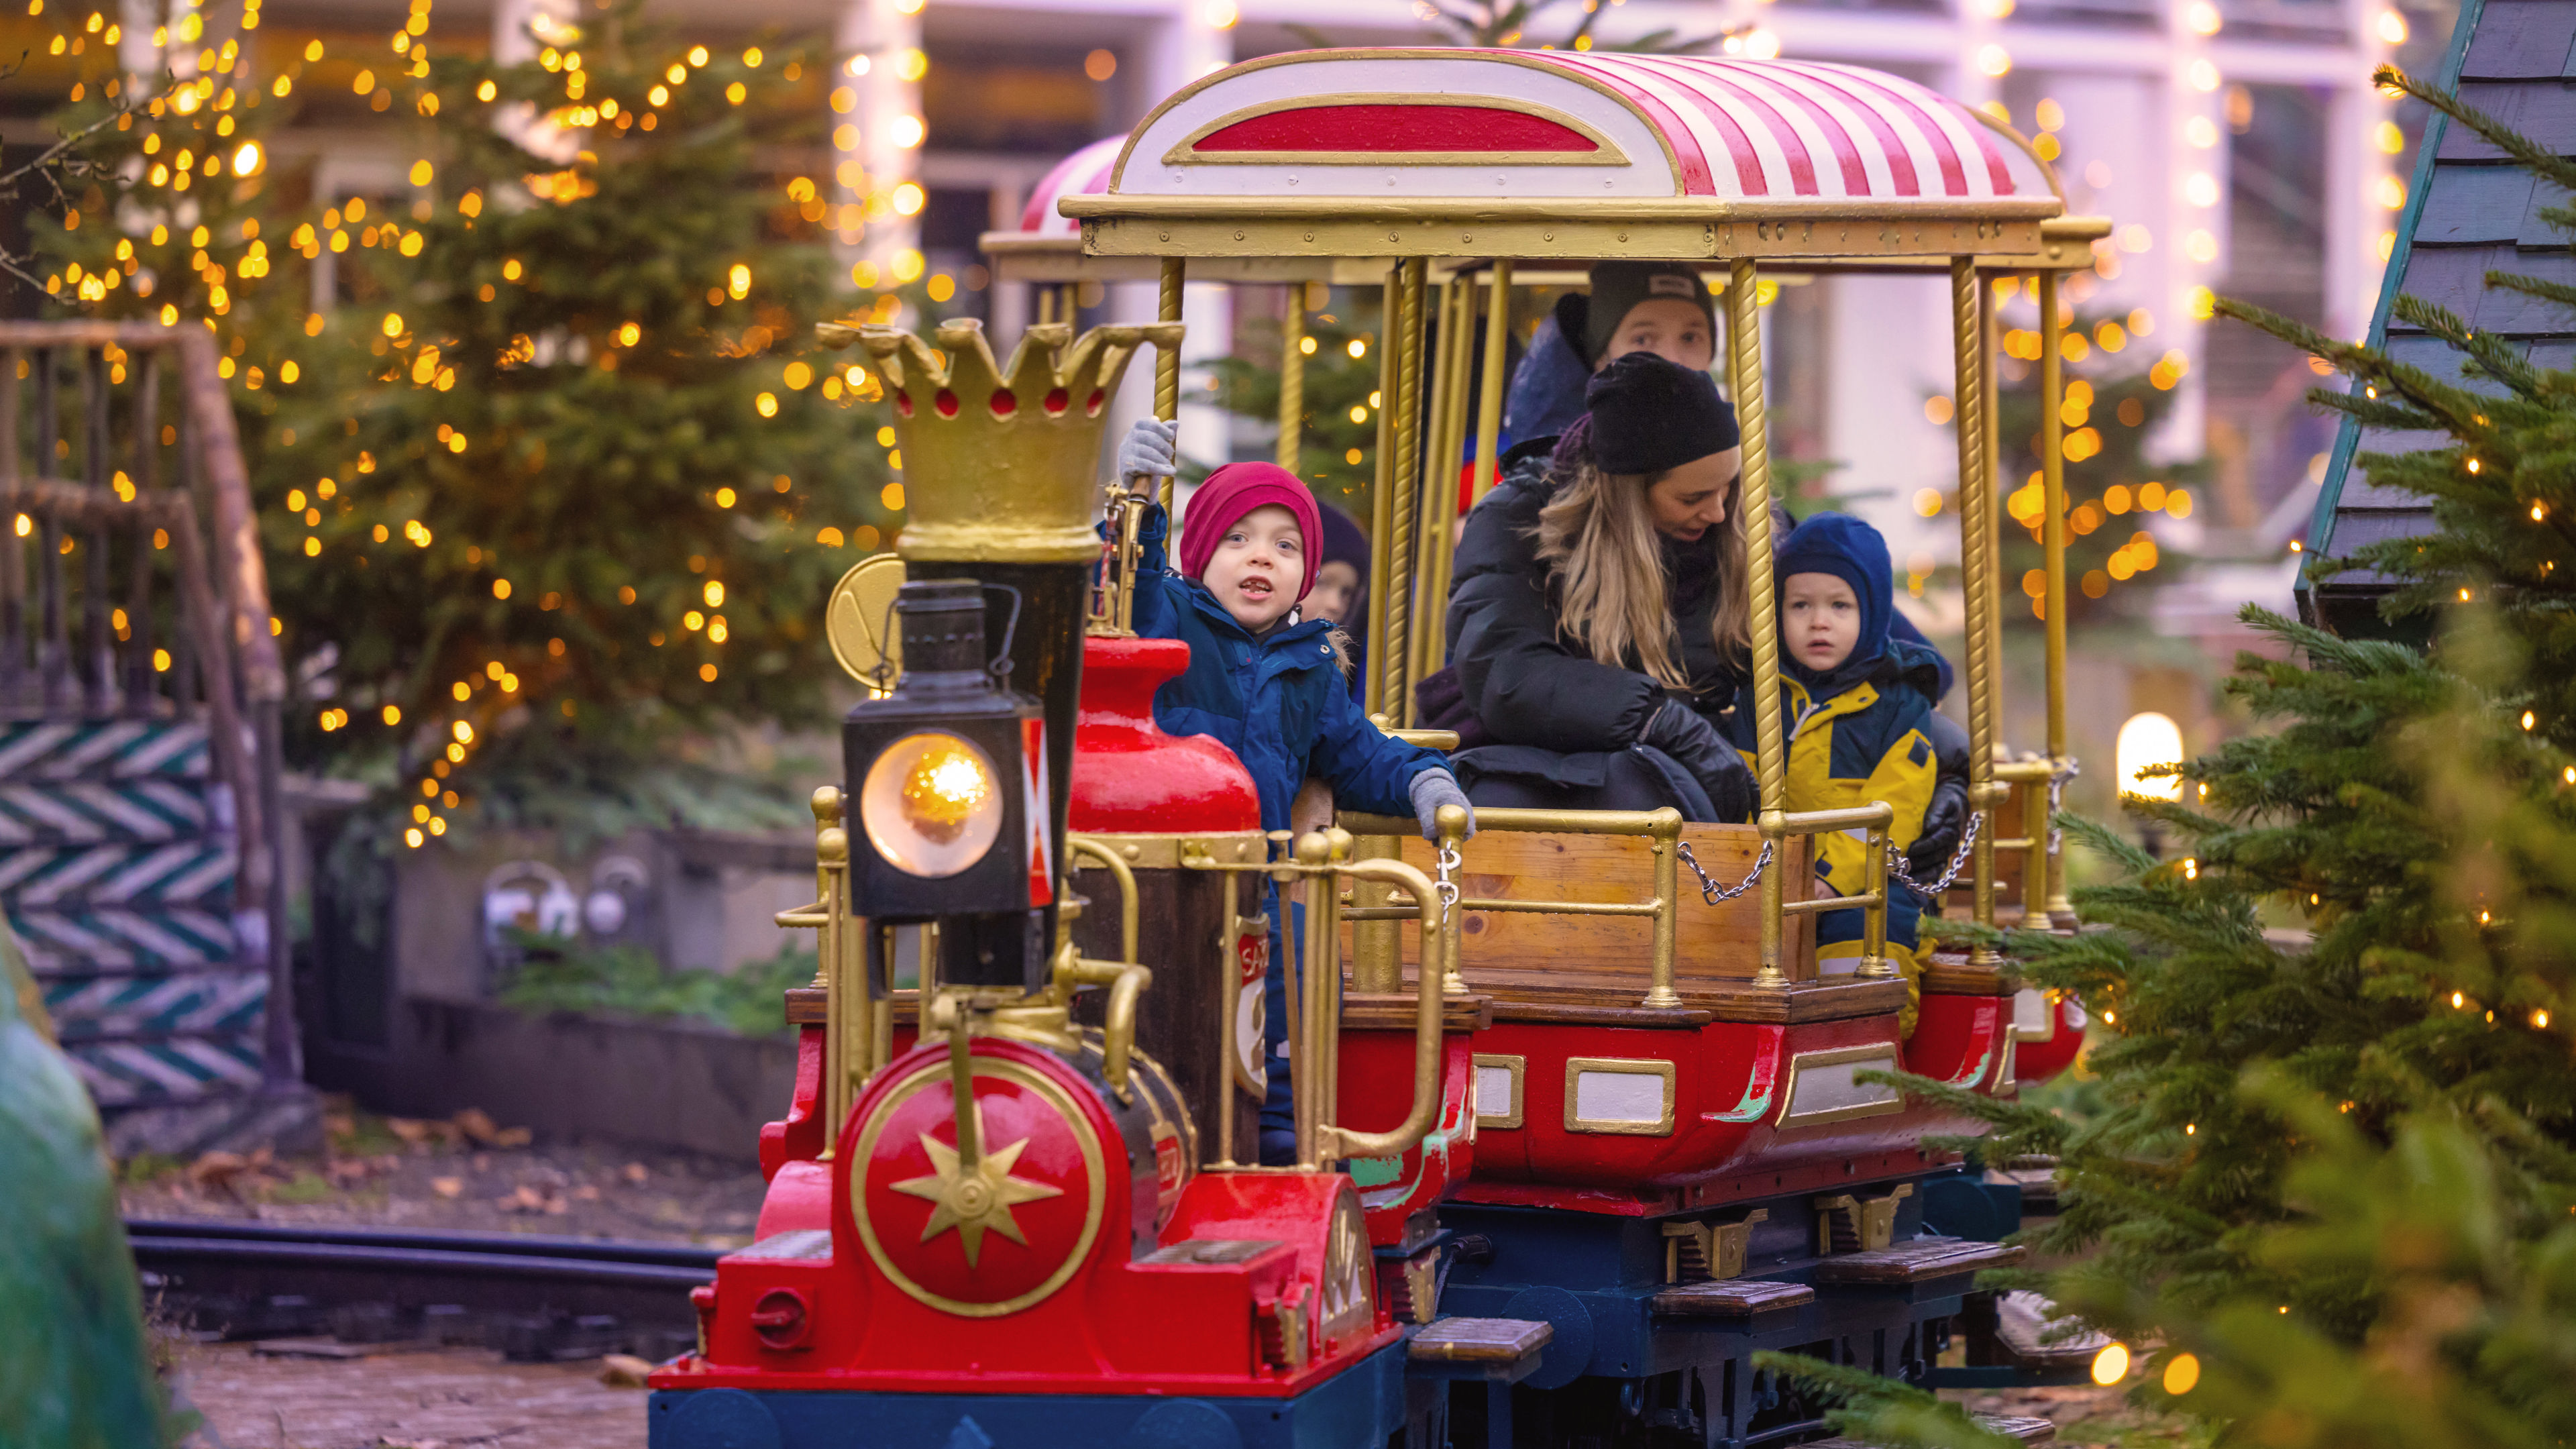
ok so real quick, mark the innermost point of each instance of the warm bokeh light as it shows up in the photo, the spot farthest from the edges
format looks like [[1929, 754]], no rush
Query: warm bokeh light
[[2149, 739]]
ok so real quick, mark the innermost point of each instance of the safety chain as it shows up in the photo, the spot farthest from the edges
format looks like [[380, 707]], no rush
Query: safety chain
[[1443, 885], [1904, 876], [1709, 890], [2056, 788]]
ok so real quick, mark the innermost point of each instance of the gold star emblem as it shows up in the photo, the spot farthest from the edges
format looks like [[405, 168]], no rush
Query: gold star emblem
[[975, 1199]]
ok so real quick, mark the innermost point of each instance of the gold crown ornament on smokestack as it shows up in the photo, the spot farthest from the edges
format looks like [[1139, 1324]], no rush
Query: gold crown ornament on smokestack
[[1001, 464]]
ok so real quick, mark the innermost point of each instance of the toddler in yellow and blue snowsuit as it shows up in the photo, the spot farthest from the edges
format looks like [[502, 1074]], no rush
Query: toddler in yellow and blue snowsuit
[[1854, 702]]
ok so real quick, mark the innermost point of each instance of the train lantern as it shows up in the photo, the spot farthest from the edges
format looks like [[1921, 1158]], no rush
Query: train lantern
[[948, 774]]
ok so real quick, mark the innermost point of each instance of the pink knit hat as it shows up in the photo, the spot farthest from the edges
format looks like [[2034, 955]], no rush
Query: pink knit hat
[[1235, 490]]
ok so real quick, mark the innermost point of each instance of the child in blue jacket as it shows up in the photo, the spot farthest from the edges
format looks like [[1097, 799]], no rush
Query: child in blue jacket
[[1263, 682], [1855, 702]]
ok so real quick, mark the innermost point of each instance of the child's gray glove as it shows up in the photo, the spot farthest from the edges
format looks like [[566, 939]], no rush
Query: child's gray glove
[[1432, 789], [1151, 449]]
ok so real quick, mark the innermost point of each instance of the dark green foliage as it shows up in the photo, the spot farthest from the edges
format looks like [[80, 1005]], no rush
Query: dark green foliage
[[567, 436], [557, 465], [1336, 382], [1891, 1411], [628, 981], [2336, 1166]]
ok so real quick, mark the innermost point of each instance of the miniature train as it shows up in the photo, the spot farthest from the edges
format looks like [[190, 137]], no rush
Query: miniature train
[[1575, 1141]]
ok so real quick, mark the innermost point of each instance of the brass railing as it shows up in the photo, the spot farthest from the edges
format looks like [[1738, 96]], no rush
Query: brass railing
[[1320, 860]]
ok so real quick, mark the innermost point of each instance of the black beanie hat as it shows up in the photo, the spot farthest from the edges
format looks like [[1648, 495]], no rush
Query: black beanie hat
[[1649, 415], [1617, 287]]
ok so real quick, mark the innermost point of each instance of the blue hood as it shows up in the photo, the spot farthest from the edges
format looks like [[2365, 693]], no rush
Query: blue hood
[[1547, 388], [1850, 550]]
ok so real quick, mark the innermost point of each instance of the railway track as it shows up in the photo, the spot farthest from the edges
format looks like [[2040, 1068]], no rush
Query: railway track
[[531, 1297]]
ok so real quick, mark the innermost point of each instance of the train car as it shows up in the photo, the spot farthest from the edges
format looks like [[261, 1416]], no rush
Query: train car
[[1575, 1139]]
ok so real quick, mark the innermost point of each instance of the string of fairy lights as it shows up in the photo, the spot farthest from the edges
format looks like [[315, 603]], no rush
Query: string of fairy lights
[[189, 143]]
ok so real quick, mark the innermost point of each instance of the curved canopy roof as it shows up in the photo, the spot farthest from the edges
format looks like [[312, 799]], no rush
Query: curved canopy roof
[[1558, 153], [1084, 173]]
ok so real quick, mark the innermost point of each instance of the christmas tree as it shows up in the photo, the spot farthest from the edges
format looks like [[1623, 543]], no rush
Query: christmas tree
[[1337, 444], [2109, 412], [554, 472], [2333, 1184]]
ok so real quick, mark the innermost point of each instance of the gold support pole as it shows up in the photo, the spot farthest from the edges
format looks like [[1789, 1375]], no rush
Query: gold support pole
[[2052, 472], [1666, 848], [1167, 360], [1435, 582], [1384, 564], [1489, 394], [1744, 348], [1404, 427], [1230, 986], [1292, 378], [2029, 912], [1439, 483], [1314, 1007], [1977, 579], [1046, 304]]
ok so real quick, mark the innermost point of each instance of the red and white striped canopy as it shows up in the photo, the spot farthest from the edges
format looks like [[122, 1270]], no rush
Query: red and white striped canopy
[[1084, 173], [1404, 125]]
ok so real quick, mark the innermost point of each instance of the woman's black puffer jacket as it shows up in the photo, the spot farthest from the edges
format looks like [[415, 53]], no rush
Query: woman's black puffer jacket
[[1529, 683]]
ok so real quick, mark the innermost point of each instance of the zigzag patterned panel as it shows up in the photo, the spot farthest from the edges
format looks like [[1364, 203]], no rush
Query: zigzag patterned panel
[[132, 942], [183, 873], [87, 813], [114, 750], [156, 1006], [117, 865], [128, 1074]]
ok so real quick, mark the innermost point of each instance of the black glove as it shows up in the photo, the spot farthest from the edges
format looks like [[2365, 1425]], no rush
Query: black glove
[[1946, 815], [1694, 744]]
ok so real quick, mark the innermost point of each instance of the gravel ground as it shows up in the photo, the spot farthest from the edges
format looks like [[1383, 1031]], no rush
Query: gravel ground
[[467, 1173], [414, 1399]]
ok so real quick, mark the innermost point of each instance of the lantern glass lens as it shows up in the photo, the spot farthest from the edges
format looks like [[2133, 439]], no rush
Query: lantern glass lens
[[932, 804]]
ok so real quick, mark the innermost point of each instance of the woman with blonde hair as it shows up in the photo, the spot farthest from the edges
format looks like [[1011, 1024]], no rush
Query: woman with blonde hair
[[1598, 620]]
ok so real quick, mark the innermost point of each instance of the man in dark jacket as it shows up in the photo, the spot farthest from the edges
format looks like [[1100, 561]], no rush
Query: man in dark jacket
[[1658, 307]]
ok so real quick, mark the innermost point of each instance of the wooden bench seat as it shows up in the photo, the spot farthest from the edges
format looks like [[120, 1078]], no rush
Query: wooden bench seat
[[1920, 1261], [1730, 1298], [1500, 1342]]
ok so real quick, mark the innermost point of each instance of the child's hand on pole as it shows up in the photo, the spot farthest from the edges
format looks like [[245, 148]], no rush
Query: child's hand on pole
[[1150, 451]]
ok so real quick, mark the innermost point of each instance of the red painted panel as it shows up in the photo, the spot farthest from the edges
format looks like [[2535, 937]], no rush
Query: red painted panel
[[1726, 1141], [1376, 1091], [1129, 777], [800, 1136], [1395, 129], [2037, 1061]]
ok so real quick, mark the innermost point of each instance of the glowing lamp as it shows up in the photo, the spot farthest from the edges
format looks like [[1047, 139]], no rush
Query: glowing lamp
[[2146, 741], [947, 771]]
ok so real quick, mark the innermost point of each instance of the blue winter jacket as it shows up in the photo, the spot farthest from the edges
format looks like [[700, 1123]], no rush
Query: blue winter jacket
[[1279, 702]]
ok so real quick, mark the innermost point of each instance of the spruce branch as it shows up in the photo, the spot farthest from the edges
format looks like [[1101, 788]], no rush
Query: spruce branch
[[2541, 160]]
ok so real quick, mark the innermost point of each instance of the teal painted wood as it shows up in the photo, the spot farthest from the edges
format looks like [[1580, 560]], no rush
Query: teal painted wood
[[2475, 204], [118, 865], [2321, 526]]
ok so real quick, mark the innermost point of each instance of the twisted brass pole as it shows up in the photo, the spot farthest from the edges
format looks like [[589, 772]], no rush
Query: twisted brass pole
[[1744, 347], [1292, 378], [1442, 445], [2052, 472], [1167, 360], [1489, 397], [1404, 411], [1384, 566], [1977, 579]]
